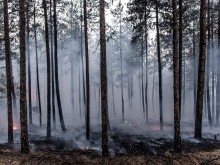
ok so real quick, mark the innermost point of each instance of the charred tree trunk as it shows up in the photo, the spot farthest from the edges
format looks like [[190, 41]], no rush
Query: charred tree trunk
[[57, 70], [159, 68], [87, 73], [176, 74], [122, 81], [52, 68], [180, 53], [29, 66], [113, 92], [103, 76], [37, 69], [201, 71], [207, 68], [48, 71], [218, 71], [23, 101], [82, 58], [8, 72], [142, 74], [194, 69], [146, 52]]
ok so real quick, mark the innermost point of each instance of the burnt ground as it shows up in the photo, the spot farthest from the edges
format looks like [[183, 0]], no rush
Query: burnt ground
[[125, 148]]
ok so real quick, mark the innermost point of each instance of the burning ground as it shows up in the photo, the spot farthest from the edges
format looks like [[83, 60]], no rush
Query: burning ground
[[129, 144]]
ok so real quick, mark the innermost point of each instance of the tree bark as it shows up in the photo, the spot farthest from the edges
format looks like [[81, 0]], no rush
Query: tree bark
[[37, 69], [48, 71], [29, 65], [8, 72], [201, 71], [23, 101], [103, 76], [159, 68], [176, 75], [218, 71], [87, 73], [180, 53], [57, 70]]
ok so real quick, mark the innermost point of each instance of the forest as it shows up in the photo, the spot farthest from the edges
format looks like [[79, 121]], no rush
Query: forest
[[109, 82]]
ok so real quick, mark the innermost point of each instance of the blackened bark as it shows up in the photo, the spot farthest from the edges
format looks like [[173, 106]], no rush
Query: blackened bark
[[48, 71], [103, 76], [56, 70], [180, 52], [195, 69], [218, 71], [8, 72], [159, 68], [52, 68], [146, 52], [207, 68], [201, 71], [23, 101], [121, 57], [87, 73], [29, 66], [37, 69], [176, 75]]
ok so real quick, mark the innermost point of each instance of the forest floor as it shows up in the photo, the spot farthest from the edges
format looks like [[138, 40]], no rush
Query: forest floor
[[126, 147]]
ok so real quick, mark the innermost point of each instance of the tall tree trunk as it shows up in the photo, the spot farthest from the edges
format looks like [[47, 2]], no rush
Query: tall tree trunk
[[207, 68], [142, 74], [82, 58], [113, 92], [218, 71], [103, 76], [37, 69], [122, 83], [146, 52], [159, 68], [80, 108], [180, 53], [213, 65], [8, 72], [14, 100], [23, 101], [52, 68], [48, 71], [57, 70], [183, 85], [176, 75], [29, 65], [87, 74], [201, 71], [194, 68]]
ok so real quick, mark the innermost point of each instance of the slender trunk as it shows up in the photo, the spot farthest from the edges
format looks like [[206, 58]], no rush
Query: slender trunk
[[82, 58], [8, 73], [153, 88], [180, 53], [176, 75], [103, 76], [52, 68], [37, 70], [29, 66], [218, 71], [14, 100], [207, 68], [48, 71], [159, 68], [80, 108], [23, 100], [122, 83], [142, 74], [146, 52], [87, 74], [201, 71], [57, 70], [213, 66], [183, 85], [194, 69], [113, 93]]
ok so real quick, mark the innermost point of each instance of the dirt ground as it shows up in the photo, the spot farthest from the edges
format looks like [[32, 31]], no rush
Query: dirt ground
[[11, 157]]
